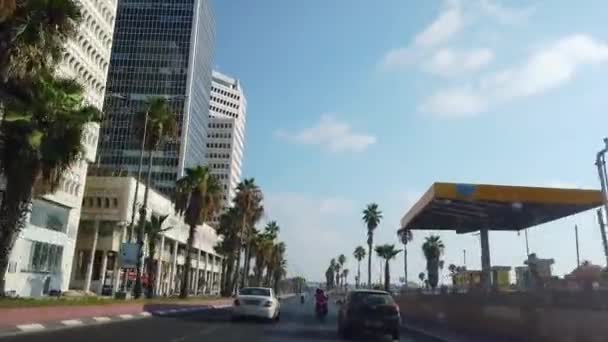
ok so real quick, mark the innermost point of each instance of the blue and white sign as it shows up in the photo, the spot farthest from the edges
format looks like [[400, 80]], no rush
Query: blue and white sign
[[128, 254]]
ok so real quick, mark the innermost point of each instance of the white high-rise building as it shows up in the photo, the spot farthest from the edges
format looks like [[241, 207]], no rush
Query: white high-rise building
[[41, 260], [226, 133]]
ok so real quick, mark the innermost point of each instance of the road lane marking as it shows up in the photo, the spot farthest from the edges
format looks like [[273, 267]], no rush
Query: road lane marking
[[162, 313], [126, 316], [30, 327], [145, 314], [72, 322], [102, 319]]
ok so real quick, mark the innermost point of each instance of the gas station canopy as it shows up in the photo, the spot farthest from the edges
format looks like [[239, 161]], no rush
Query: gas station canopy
[[470, 207]]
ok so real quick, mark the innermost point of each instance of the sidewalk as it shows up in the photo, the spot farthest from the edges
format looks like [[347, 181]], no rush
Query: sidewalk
[[36, 318], [442, 333]]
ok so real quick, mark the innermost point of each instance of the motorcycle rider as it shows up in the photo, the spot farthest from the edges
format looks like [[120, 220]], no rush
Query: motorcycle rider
[[321, 301]]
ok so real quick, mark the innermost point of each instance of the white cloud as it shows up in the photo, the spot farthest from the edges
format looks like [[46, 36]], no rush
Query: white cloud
[[544, 70], [445, 26], [314, 228], [505, 14], [454, 103], [331, 134], [429, 48], [449, 62]]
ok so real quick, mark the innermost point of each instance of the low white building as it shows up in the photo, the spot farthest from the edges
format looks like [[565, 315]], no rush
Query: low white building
[[106, 214]]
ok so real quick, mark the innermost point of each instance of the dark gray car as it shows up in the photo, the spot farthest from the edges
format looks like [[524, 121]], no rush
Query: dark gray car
[[369, 310]]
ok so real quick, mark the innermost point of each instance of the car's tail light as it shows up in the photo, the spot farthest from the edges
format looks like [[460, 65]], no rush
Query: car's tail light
[[268, 304], [237, 302]]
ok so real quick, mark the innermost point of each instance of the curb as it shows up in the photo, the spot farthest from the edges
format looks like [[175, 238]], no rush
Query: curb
[[96, 320]]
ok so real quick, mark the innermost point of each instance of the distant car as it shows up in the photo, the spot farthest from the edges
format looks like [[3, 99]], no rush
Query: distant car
[[369, 310], [258, 302]]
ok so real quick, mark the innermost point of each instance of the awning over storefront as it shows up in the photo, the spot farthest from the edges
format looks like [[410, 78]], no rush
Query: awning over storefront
[[466, 208]]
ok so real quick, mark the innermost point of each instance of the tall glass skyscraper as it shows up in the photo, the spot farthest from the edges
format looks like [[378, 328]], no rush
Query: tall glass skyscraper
[[161, 48]]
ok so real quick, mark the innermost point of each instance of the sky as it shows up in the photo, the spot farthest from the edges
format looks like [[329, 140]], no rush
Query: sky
[[354, 101]]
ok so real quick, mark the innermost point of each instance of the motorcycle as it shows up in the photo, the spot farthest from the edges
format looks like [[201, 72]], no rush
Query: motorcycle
[[321, 308]]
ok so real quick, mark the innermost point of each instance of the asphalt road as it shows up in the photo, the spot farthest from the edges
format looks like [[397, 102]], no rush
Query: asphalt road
[[297, 324]]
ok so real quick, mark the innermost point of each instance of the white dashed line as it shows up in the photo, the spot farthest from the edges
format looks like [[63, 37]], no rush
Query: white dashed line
[[161, 313], [145, 314], [102, 319], [30, 327], [72, 322], [126, 316], [173, 310]]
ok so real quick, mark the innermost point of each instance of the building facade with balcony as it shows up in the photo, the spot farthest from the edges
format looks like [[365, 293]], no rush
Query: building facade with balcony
[[41, 259], [106, 214]]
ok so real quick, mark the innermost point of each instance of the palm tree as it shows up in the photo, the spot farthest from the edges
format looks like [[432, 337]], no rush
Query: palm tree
[[433, 249], [42, 116], [341, 262], [371, 216], [387, 252], [359, 254], [332, 267], [275, 264], [33, 36], [329, 277], [229, 230], [345, 273], [40, 138], [272, 230], [156, 124], [152, 231], [248, 200], [263, 252], [198, 197], [441, 265], [337, 268], [405, 236], [421, 276]]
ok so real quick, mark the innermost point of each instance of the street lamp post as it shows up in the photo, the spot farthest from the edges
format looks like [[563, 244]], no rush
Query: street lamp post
[[600, 162]]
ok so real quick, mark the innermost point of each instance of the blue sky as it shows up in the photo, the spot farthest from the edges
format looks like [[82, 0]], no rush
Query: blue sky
[[352, 101]]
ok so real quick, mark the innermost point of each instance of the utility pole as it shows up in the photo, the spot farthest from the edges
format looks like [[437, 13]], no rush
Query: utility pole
[[527, 245], [578, 256], [464, 257], [600, 162]]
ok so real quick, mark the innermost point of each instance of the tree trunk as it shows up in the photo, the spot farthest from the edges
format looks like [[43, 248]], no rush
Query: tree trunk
[[143, 213], [432, 267], [229, 276], [358, 274], [237, 271], [13, 214], [387, 276], [369, 260], [151, 269], [183, 293], [405, 265], [247, 259]]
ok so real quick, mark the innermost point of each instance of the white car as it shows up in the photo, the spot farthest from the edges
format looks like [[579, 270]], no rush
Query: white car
[[259, 302]]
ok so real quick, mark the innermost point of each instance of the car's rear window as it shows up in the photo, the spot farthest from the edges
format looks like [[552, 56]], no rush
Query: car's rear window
[[255, 292], [371, 298]]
